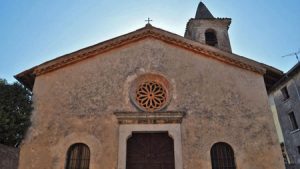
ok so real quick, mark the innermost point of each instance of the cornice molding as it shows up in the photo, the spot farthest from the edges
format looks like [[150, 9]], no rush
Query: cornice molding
[[149, 118], [147, 32]]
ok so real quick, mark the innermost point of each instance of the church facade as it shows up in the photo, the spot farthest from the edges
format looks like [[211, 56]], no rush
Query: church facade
[[152, 99]]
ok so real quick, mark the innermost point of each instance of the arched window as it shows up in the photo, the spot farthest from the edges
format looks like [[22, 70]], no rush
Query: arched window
[[210, 37], [222, 156], [78, 157]]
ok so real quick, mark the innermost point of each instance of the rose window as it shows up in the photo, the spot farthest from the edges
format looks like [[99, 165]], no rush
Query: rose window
[[151, 96]]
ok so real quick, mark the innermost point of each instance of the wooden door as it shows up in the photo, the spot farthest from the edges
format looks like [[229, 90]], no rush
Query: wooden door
[[150, 151]]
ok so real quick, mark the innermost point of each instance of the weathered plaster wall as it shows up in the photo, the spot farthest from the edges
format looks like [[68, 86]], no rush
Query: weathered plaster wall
[[284, 107], [196, 31], [275, 117], [9, 157], [222, 102]]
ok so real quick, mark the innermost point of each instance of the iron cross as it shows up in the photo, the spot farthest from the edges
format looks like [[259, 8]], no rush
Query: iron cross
[[148, 20]]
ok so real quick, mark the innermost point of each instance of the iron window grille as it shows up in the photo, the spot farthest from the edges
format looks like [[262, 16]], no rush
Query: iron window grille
[[78, 157], [222, 156]]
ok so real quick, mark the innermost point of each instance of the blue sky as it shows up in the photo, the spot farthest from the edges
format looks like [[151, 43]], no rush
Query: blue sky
[[34, 31]]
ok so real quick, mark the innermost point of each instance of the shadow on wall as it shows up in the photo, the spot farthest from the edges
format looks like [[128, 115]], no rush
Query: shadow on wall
[[9, 157], [292, 166]]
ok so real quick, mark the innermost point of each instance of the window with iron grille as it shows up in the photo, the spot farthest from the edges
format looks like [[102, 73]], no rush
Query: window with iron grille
[[222, 156], [78, 157]]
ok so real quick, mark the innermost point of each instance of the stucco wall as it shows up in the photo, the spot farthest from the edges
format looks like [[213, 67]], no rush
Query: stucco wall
[[9, 157], [284, 107], [196, 31], [275, 117], [222, 103]]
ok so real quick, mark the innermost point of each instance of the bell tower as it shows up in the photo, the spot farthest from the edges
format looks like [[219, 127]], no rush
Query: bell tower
[[207, 29]]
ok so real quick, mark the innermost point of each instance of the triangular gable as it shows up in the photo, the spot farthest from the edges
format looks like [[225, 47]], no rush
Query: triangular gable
[[27, 77]]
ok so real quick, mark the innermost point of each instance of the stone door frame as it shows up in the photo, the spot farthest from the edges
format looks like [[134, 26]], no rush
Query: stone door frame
[[126, 130]]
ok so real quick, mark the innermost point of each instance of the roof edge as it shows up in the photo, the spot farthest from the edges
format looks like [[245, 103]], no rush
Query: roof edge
[[285, 77], [28, 77]]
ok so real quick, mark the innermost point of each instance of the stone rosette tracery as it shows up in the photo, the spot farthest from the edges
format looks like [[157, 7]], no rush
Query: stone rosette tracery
[[151, 95], [150, 92]]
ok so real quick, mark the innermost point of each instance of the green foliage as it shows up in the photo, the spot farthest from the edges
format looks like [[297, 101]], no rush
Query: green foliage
[[15, 110]]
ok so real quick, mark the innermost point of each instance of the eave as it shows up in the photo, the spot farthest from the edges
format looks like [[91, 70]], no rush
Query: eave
[[272, 76], [285, 77], [28, 77]]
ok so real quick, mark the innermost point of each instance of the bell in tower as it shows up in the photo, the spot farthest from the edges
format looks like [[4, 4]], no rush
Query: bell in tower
[[207, 29]]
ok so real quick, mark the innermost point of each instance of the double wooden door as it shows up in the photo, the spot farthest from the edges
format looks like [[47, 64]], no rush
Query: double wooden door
[[150, 151]]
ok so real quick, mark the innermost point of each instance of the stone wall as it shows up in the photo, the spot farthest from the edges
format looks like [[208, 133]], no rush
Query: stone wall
[[9, 157], [284, 107], [223, 103], [196, 29], [292, 166]]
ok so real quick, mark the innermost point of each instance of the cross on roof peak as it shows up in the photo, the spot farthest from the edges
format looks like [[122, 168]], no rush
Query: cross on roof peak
[[148, 20]]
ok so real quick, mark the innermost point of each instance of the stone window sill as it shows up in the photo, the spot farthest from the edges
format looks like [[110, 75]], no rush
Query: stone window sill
[[295, 131], [285, 100]]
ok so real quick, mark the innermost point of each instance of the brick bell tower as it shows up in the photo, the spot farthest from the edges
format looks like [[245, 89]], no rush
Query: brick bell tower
[[207, 29]]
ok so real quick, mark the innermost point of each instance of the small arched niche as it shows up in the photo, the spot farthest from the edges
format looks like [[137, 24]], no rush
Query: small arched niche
[[211, 37]]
